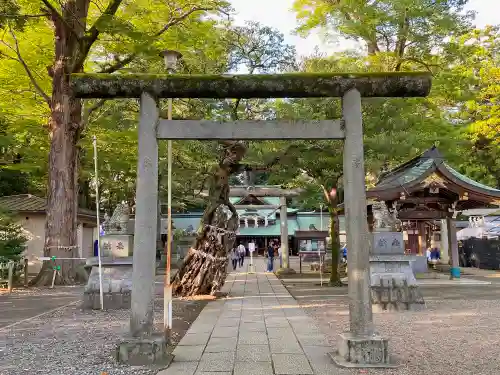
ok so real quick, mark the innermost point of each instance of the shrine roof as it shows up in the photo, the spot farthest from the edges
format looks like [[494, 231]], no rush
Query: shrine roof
[[412, 173]]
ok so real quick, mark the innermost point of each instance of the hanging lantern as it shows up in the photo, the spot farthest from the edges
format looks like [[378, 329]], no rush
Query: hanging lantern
[[266, 221], [256, 219]]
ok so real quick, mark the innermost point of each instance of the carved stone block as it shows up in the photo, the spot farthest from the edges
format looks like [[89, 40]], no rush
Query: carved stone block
[[116, 284], [117, 245], [362, 352], [388, 243]]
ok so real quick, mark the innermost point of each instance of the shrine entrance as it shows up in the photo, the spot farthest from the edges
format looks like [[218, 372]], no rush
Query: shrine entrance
[[350, 87]]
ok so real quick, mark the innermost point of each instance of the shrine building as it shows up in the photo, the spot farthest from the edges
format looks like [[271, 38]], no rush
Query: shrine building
[[260, 213]]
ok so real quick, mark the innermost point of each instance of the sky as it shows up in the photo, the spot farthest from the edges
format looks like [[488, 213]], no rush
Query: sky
[[276, 13]]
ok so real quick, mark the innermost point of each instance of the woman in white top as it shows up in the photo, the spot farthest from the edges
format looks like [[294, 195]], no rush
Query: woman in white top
[[281, 257]]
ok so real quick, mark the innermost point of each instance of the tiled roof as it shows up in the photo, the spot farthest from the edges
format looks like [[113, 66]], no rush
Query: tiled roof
[[31, 203], [470, 181], [417, 168], [23, 203], [405, 174]]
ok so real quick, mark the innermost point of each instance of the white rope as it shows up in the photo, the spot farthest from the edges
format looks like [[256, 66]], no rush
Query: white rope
[[220, 229], [206, 255], [61, 247]]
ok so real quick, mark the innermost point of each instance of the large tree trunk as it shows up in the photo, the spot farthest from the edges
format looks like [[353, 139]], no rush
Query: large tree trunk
[[204, 269], [335, 243], [65, 127], [332, 201]]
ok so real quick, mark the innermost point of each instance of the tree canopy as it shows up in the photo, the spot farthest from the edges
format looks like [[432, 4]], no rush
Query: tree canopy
[[461, 115]]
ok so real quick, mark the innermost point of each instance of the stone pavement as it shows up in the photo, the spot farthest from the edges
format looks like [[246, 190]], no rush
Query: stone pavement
[[258, 330]]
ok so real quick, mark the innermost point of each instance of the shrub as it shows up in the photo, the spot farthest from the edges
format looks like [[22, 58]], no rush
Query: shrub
[[12, 239]]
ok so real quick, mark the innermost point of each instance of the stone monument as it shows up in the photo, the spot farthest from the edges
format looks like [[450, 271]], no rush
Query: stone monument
[[393, 284], [116, 246]]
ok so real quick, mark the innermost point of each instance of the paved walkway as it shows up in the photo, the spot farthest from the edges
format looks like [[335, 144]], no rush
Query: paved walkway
[[258, 330]]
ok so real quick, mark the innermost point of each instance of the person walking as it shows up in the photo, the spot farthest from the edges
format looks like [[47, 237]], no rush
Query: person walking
[[241, 251], [270, 258], [234, 258]]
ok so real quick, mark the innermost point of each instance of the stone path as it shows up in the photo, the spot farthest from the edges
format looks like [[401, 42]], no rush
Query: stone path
[[258, 330]]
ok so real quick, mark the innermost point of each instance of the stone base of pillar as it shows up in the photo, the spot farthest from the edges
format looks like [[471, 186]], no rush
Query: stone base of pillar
[[116, 284], [150, 351], [285, 271], [362, 352]]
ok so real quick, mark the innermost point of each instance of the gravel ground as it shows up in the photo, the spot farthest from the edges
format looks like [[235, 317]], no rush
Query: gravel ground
[[75, 342], [457, 333]]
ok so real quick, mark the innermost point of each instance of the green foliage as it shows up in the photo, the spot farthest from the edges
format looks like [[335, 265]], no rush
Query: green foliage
[[405, 31], [470, 90], [12, 239]]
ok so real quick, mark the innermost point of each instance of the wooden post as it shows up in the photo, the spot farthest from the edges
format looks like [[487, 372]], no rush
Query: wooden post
[[10, 276], [144, 258], [26, 272], [451, 229], [284, 233], [422, 240], [360, 307], [444, 248]]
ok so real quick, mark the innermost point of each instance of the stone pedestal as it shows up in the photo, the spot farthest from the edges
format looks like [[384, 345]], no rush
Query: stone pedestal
[[393, 283], [116, 283], [182, 246], [117, 245], [144, 351], [362, 352], [285, 271]]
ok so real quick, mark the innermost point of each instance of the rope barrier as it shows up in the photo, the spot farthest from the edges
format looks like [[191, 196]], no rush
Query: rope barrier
[[206, 255], [62, 247], [218, 229]]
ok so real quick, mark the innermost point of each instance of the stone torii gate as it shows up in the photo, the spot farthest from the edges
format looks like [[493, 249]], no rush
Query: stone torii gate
[[361, 346]]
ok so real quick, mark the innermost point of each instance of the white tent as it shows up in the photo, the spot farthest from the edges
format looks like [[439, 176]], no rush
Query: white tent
[[480, 227]]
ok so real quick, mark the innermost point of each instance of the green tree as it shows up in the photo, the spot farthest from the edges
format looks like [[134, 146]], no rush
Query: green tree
[[403, 33], [398, 36], [259, 49], [76, 36], [12, 238], [469, 91], [395, 130]]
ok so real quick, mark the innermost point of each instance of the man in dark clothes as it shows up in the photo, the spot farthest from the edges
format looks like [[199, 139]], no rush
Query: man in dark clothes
[[270, 258]]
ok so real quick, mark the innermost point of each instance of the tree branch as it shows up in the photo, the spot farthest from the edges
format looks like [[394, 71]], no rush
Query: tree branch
[[420, 62], [26, 68], [8, 15], [119, 64], [175, 20], [93, 33], [55, 14], [90, 110]]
